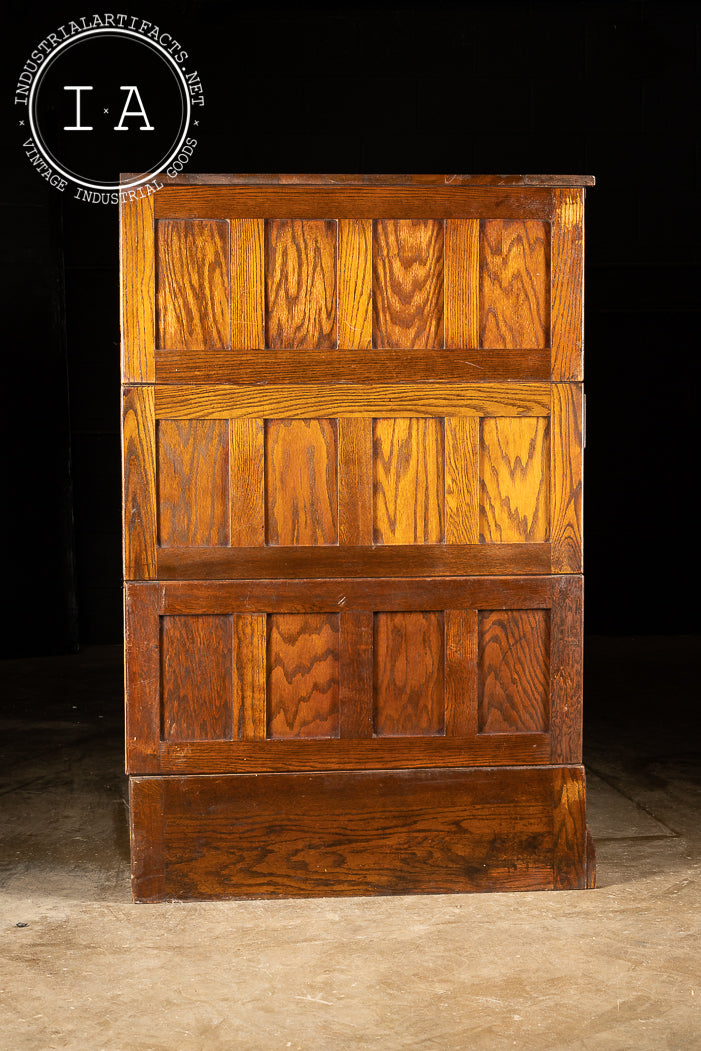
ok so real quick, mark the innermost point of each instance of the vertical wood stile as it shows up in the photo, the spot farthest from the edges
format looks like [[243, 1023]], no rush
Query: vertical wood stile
[[247, 482], [354, 480], [139, 483], [247, 239], [461, 284], [566, 472], [142, 677], [461, 680], [567, 354], [356, 674], [355, 284], [249, 674], [462, 480], [566, 661], [138, 291]]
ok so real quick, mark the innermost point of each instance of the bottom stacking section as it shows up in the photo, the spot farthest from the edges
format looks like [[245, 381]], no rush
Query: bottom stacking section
[[359, 833]]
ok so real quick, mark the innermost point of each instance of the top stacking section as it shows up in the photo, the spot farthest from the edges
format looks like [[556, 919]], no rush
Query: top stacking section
[[351, 279]]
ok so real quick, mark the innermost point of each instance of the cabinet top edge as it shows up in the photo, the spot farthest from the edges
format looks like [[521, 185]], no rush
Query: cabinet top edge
[[310, 179]]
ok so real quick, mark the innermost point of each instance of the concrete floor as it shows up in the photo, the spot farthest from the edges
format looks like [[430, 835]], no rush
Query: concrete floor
[[614, 968]]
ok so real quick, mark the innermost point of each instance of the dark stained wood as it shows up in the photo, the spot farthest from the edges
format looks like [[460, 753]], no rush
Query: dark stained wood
[[372, 179], [146, 833], [408, 365], [196, 678], [514, 284], [408, 481], [139, 526], [356, 673], [300, 480], [566, 662], [249, 666], [142, 676], [341, 202], [355, 493], [461, 672], [326, 596], [300, 277], [192, 284], [514, 671], [137, 301], [409, 674], [407, 283], [193, 482], [568, 286], [302, 673], [514, 480], [365, 833]]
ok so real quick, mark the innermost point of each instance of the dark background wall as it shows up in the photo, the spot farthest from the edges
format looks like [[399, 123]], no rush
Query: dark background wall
[[609, 89]]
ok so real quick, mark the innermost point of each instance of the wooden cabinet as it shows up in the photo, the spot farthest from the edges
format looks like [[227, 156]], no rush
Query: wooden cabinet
[[352, 436]]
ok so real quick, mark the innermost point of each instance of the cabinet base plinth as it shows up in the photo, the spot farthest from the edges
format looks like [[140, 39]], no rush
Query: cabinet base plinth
[[327, 834]]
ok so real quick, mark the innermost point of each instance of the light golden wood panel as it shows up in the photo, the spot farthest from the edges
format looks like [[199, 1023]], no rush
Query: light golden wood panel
[[222, 401], [196, 678], [193, 483], [355, 284], [514, 283], [302, 673], [568, 285], [408, 481], [355, 481], [139, 531], [407, 283], [300, 276], [192, 283], [247, 284], [409, 674], [515, 480], [462, 480], [138, 296], [301, 487], [247, 483], [248, 661], [514, 669], [462, 285], [566, 452]]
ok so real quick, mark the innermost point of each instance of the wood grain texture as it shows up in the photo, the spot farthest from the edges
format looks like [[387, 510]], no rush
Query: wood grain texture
[[567, 660], [192, 284], [355, 487], [322, 596], [355, 284], [408, 481], [514, 480], [373, 179], [138, 290], [196, 678], [462, 284], [514, 671], [147, 838], [409, 674], [407, 283], [249, 673], [141, 676], [410, 365], [568, 285], [367, 832], [247, 284], [461, 672], [300, 401], [462, 488], [569, 829], [318, 562], [301, 485], [302, 673], [367, 202], [246, 483], [139, 528], [300, 278], [193, 482], [356, 674], [567, 449], [514, 284]]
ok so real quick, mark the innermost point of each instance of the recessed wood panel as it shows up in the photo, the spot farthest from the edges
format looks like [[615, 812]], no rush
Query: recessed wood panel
[[514, 671], [302, 674], [300, 477], [408, 481], [515, 480], [196, 678], [247, 284], [514, 283], [300, 278], [407, 284], [193, 483], [462, 288], [192, 283], [355, 284], [409, 674], [247, 483]]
